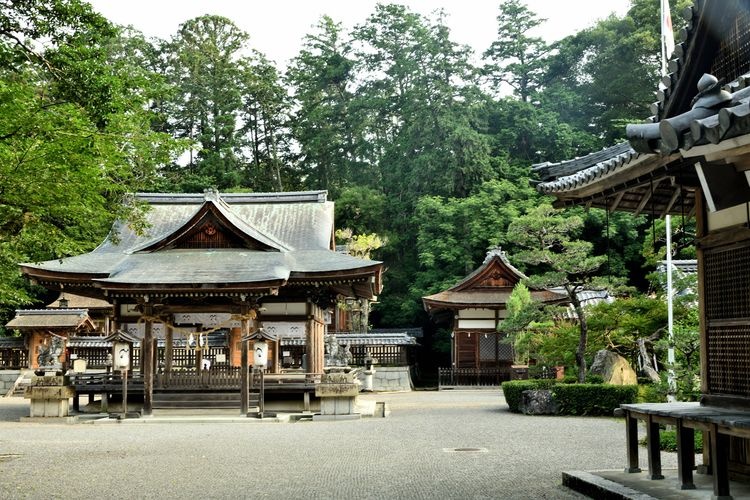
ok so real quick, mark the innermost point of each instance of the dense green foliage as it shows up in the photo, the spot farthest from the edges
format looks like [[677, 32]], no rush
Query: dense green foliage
[[668, 441], [415, 142], [75, 136]]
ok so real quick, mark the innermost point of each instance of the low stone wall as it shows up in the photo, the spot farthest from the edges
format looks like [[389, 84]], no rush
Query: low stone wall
[[8, 380], [389, 378]]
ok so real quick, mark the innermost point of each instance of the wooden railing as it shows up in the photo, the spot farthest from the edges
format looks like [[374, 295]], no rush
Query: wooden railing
[[475, 377], [106, 382], [191, 378], [218, 379]]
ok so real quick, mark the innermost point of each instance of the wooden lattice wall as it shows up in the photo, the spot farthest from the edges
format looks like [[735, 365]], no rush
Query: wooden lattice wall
[[727, 308]]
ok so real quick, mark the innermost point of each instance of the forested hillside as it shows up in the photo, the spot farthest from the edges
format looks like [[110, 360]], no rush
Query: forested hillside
[[413, 140]]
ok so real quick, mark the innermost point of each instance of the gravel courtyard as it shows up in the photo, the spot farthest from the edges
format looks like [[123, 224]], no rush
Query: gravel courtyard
[[407, 455]]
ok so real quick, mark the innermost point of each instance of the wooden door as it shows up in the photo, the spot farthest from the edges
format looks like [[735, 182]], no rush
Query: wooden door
[[466, 349]]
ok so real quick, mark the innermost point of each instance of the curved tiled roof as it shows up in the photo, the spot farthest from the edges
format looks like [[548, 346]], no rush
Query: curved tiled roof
[[279, 236], [576, 173], [488, 286]]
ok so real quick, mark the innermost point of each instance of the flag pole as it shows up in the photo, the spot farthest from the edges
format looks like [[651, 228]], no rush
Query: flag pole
[[667, 47]]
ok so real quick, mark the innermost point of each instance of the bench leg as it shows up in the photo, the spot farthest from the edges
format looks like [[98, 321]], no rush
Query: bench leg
[[720, 463], [306, 400], [631, 442], [77, 402], [685, 456], [654, 449]]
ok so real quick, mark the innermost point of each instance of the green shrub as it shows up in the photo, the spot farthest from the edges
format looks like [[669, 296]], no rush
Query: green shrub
[[513, 390], [651, 393], [592, 399], [594, 379], [668, 441]]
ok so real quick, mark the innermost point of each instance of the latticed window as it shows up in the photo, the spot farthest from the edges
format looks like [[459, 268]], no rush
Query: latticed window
[[733, 59], [727, 303]]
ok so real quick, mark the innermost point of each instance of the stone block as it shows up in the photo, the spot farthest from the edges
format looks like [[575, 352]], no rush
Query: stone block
[[539, 402], [337, 406], [324, 390], [49, 392], [613, 368]]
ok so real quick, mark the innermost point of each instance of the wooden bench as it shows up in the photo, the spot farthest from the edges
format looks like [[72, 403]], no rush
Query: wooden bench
[[718, 422]]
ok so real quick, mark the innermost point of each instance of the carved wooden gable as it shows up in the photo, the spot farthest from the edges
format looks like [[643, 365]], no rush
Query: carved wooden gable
[[496, 279], [493, 274], [212, 227], [210, 233]]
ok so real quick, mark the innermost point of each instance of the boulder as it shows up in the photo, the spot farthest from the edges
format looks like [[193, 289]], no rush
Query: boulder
[[538, 402], [613, 368]]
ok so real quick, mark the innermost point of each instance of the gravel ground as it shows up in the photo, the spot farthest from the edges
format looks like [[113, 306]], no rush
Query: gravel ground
[[402, 456]]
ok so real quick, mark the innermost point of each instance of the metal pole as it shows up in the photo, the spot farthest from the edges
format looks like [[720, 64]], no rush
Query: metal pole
[[670, 317]]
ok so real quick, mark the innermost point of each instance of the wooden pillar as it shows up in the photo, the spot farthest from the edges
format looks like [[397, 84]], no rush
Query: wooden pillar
[[631, 440], [244, 365], [168, 348], [700, 231], [654, 449], [685, 456], [720, 463], [311, 346], [147, 361]]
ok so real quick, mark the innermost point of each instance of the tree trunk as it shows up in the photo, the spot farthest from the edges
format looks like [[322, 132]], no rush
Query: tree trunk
[[648, 366], [583, 338]]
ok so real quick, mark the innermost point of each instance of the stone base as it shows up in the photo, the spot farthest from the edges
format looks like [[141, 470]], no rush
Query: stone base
[[337, 405], [382, 409], [72, 419], [324, 418], [50, 408]]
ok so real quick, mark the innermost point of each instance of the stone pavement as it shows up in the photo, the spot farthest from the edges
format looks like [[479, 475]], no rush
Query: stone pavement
[[450, 444]]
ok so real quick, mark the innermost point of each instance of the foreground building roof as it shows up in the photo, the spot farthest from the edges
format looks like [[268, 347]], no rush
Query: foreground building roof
[[703, 106]]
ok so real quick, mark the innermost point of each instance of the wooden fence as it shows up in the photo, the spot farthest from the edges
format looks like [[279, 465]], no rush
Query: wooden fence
[[14, 359], [478, 377], [384, 355]]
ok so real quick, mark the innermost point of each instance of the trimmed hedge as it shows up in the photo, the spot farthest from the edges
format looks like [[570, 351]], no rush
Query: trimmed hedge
[[574, 399], [593, 399]]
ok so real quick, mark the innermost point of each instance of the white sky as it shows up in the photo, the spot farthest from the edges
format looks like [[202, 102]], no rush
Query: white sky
[[276, 27]]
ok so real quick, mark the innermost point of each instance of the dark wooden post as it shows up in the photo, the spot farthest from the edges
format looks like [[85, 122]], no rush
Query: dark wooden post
[[631, 439], [124, 374], [719, 463], [654, 449], [685, 456], [147, 361]]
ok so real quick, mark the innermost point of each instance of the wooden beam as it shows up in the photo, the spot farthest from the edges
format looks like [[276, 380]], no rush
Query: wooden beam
[[644, 200], [617, 201], [671, 202]]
